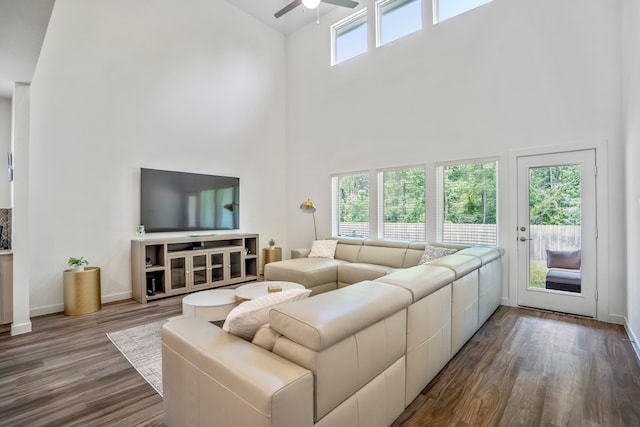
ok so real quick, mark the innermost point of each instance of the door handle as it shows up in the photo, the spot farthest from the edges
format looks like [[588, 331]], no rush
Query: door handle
[[524, 239]]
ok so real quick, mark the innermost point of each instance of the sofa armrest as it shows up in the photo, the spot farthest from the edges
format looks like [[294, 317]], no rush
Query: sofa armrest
[[209, 374], [300, 253]]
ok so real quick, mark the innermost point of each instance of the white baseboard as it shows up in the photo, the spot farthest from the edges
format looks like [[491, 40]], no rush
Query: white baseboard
[[634, 340], [47, 309], [22, 328], [614, 318], [58, 308], [116, 297]]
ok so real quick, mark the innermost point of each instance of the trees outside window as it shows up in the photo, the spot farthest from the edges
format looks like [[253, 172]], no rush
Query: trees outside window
[[468, 202], [401, 204], [555, 195], [351, 205]]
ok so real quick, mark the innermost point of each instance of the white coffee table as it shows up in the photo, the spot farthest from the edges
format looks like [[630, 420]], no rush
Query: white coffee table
[[259, 289], [210, 305]]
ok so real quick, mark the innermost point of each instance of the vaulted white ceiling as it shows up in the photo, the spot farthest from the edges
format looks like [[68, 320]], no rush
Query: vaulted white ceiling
[[263, 10], [23, 24]]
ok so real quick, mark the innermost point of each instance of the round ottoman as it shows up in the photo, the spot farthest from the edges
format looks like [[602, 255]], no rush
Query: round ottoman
[[209, 305]]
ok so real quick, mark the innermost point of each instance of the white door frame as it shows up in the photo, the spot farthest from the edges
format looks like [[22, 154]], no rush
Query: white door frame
[[602, 220], [582, 302]]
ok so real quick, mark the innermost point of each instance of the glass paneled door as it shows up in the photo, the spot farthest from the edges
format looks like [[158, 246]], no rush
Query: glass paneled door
[[557, 232]]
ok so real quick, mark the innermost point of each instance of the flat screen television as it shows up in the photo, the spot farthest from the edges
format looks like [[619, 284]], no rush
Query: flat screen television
[[181, 201]]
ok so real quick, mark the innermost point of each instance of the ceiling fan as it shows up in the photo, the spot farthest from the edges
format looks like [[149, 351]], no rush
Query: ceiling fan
[[312, 4]]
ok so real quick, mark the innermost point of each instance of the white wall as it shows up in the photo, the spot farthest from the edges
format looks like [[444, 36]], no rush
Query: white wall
[[120, 85], [5, 147], [631, 80], [510, 75]]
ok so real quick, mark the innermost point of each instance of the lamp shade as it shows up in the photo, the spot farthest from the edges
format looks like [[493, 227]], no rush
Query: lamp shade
[[310, 4], [308, 207]]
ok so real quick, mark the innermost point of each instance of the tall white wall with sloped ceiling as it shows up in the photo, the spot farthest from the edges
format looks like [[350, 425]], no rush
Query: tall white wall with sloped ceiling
[[509, 75], [5, 147], [120, 85], [631, 80]]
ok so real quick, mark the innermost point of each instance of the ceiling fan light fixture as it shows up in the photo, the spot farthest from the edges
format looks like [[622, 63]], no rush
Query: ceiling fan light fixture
[[311, 4]]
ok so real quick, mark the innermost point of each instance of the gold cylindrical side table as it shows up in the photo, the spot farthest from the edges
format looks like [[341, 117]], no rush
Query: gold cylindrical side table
[[272, 254], [81, 291]]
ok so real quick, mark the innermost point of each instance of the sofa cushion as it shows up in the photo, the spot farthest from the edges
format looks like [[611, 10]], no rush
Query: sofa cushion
[[460, 264], [421, 280], [357, 272], [434, 252], [348, 249], [413, 255], [325, 319], [485, 253], [323, 249], [383, 252], [564, 259], [308, 272], [265, 337], [246, 318]]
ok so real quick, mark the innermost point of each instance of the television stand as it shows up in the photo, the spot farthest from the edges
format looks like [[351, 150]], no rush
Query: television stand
[[166, 267]]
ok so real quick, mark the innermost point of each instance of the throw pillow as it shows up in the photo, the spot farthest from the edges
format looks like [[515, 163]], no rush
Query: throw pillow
[[564, 259], [323, 249], [433, 252], [245, 319]]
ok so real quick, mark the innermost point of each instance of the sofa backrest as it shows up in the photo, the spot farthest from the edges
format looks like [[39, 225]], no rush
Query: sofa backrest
[[348, 248], [413, 255], [383, 252], [345, 337], [392, 253]]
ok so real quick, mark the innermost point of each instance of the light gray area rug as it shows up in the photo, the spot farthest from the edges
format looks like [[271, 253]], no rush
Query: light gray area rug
[[142, 347]]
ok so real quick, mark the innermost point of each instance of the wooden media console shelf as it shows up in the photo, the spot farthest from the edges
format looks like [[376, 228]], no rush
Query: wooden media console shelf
[[173, 266]]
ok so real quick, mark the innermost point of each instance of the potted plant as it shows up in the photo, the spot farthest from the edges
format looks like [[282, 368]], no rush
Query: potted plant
[[272, 243], [77, 264]]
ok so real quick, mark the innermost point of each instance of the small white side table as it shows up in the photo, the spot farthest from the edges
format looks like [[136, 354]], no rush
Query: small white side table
[[210, 305]]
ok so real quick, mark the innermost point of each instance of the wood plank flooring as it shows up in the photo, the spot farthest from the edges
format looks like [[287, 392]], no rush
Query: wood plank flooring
[[530, 368], [522, 368]]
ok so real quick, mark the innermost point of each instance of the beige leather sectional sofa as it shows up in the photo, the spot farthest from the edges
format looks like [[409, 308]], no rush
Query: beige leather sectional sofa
[[354, 356], [355, 260]]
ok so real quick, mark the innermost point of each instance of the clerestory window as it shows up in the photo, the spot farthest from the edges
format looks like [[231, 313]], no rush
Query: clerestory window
[[349, 37], [397, 18], [445, 9]]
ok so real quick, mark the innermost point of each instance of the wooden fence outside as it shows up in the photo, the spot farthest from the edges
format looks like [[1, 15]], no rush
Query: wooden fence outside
[[552, 237]]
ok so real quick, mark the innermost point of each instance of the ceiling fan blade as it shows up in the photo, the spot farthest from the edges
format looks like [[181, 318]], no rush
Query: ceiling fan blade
[[287, 8], [345, 3]]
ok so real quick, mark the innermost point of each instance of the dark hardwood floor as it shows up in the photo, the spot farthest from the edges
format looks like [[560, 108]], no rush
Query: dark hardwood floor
[[531, 368], [522, 368]]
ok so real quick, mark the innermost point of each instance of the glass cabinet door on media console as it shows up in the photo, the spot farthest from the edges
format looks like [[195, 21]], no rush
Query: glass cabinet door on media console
[[178, 273], [226, 265], [235, 264], [200, 271], [188, 271], [216, 260]]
